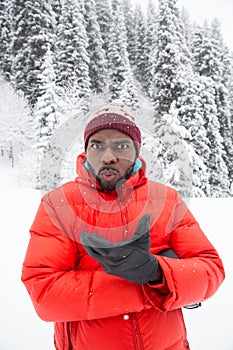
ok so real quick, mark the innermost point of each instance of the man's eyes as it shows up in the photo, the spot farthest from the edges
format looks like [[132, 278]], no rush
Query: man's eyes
[[120, 146], [96, 146]]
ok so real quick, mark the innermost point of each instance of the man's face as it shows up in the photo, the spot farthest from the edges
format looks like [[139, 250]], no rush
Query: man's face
[[111, 155]]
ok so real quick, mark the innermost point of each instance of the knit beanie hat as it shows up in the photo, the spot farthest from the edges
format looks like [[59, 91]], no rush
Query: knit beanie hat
[[114, 116]]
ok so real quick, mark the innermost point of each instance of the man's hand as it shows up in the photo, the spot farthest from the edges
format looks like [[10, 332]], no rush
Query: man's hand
[[131, 261]]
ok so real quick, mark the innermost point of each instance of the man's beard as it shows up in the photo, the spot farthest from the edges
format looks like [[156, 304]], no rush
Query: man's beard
[[112, 186]]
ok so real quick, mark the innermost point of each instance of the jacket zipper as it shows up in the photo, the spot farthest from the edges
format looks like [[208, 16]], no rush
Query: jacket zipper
[[136, 332]]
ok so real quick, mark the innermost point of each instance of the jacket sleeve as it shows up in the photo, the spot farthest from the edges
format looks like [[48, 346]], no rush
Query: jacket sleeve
[[198, 272], [62, 292]]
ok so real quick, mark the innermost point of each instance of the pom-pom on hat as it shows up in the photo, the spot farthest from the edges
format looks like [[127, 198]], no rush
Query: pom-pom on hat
[[114, 116]]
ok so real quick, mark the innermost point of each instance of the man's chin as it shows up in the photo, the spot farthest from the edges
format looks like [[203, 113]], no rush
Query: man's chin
[[107, 185], [111, 185]]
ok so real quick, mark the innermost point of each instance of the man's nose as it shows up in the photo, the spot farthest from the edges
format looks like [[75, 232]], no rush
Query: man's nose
[[109, 156]]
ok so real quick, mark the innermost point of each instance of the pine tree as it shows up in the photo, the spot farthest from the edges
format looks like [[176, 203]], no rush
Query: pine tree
[[229, 77], [104, 16], [222, 94], [47, 115], [130, 29], [206, 54], [128, 92], [176, 165], [189, 109], [140, 58], [152, 152], [47, 106], [150, 47], [33, 32], [231, 112], [5, 39], [222, 100], [15, 123], [57, 6], [171, 61], [188, 27], [121, 81], [97, 62], [209, 55], [72, 57], [218, 172]]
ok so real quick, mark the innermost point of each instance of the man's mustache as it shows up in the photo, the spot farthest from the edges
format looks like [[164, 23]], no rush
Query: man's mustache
[[108, 168]]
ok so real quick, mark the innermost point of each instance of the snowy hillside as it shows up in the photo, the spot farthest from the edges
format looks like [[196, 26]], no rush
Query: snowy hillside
[[209, 327]]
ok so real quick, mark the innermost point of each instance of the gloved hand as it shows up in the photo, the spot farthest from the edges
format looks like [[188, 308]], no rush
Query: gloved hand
[[131, 261]]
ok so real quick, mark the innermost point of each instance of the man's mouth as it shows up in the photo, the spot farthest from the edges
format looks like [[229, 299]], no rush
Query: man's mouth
[[108, 174]]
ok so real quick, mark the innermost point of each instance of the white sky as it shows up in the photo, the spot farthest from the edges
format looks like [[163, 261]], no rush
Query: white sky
[[201, 10]]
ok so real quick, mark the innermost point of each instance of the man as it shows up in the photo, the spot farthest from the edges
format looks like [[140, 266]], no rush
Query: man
[[102, 261]]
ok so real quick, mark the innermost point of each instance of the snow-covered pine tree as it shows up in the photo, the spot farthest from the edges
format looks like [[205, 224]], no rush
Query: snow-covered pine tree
[[150, 46], [130, 28], [47, 108], [176, 153], [222, 94], [189, 109], [97, 57], [208, 52], [228, 76], [121, 80], [71, 49], [140, 49], [218, 172], [15, 124], [104, 16], [188, 26], [57, 6], [128, 92], [5, 39], [152, 151], [47, 114], [32, 32], [3, 27], [199, 176], [231, 108], [181, 37], [170, 58]]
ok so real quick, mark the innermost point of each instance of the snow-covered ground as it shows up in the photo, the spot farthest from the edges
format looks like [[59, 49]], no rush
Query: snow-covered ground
[[209, 327]]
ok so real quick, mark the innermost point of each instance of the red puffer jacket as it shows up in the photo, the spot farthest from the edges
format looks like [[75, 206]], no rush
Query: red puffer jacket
[[96, 311]]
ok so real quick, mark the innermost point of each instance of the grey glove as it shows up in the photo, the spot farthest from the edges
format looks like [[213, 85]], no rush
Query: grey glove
[[132, 261]]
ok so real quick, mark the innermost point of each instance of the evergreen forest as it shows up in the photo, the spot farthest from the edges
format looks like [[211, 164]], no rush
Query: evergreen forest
[[62, 59]]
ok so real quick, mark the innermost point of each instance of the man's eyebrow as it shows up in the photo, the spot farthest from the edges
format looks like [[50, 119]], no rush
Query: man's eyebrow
[[122, 141], [95, 141], [116, 141]]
